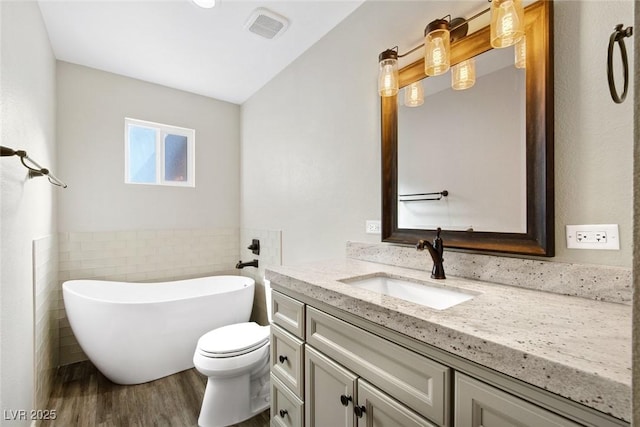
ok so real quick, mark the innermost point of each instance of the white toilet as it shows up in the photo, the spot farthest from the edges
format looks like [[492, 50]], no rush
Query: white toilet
[[235, 358]]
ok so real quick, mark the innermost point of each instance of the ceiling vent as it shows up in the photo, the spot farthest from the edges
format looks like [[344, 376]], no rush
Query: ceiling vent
[[266, 24]]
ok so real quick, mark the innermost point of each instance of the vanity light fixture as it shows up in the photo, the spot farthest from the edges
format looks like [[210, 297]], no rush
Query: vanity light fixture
[[414, 94], [463, 75], [388, 80], [520, 50], [507, 28]]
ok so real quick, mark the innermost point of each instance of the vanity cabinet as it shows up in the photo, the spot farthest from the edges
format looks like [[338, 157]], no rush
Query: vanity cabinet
[[341, 375], [327, 371]]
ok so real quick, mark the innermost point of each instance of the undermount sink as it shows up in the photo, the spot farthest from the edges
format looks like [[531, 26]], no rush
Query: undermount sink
[[431, 296]]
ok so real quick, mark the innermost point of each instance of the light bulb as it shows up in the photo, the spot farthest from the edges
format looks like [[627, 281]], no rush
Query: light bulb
[[437, 52], [507, 22], [414, 94], [463, 75]]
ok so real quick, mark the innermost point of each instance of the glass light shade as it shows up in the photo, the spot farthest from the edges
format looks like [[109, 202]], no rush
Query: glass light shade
[[388, 77], [206, 4], [463, 75], [507, 22], [414, 94], [436, 52], [521, 53]]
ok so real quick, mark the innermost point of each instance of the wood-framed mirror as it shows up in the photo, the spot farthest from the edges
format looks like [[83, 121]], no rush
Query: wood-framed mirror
[[537, 234]]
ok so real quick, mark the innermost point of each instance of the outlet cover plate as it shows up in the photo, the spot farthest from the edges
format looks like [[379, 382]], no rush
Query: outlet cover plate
[[593, 236], [373, 226]]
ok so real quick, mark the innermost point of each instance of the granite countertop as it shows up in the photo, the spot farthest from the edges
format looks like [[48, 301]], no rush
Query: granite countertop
[[575, 347]]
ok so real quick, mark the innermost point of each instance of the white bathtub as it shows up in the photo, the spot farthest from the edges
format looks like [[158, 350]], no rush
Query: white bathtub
[[139, 332]]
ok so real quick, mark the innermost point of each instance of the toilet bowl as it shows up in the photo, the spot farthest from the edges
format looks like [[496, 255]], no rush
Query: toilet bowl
[[235, 359]]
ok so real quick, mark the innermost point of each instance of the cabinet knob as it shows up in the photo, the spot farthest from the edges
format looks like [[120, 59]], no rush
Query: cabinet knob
[[282, 358], [359, 410], [345, 400], [283, 412]]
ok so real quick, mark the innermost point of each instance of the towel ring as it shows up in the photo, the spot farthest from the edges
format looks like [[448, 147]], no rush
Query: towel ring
[[618, 36]]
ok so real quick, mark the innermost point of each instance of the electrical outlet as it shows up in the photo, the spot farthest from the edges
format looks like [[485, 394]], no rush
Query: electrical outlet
[[600, 236], [373, 227]]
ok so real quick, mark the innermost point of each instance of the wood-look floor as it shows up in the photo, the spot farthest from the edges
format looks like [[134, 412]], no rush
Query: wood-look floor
[[83, 397]]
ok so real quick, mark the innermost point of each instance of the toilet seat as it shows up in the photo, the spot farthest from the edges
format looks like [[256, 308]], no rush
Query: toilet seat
[[233, 340]]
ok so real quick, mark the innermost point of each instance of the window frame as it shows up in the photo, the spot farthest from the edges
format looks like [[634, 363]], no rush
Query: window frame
[[161, 130]]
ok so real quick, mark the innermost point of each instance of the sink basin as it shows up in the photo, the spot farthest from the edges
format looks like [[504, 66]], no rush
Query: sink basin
[[431, 296]]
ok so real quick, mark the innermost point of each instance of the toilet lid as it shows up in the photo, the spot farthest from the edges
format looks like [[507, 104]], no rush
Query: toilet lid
[[233, 340]]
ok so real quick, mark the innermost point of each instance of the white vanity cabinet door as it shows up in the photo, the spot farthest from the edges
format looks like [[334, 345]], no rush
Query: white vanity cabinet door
[[329, 392], [376, 409], [480, 405]]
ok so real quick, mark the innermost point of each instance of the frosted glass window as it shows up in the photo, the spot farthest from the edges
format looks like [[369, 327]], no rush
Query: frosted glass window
[[142, 154], [175, 157], [159, 154]]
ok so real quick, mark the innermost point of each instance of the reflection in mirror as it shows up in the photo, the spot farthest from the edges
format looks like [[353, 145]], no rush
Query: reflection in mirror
[[471, 143]]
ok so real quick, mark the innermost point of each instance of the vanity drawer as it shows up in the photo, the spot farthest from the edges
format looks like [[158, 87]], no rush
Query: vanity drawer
[[416, 381], [481, 405], [287, 359], [286, 409], [288, 313]]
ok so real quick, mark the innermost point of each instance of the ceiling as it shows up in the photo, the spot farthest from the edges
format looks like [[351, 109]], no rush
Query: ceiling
[[180, 45]]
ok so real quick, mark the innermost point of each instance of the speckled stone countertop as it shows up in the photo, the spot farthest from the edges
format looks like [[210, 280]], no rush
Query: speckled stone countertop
[[575, 347]]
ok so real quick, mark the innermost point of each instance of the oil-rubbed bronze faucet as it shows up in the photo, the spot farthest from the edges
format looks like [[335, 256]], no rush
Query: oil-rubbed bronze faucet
[[435, 250], [253, 263]]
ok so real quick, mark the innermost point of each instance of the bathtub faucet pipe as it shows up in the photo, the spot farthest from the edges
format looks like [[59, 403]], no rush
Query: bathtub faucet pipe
[[241, 264]]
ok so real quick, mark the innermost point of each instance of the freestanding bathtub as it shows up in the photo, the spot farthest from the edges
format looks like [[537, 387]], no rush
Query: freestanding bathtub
[[139, 332]]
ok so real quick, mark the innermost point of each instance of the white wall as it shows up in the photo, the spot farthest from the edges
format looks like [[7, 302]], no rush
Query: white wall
[[594, 136], [311, 139], [92, 106], [28, 209]]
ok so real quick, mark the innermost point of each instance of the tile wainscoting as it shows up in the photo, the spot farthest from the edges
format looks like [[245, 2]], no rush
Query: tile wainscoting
[[45, 319]]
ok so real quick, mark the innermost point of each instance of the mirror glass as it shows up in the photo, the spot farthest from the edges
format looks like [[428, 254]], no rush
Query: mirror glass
[[471, 143], [489, 147]]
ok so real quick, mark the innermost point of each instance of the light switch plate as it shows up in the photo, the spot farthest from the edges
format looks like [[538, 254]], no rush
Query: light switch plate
[[593, 236]]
